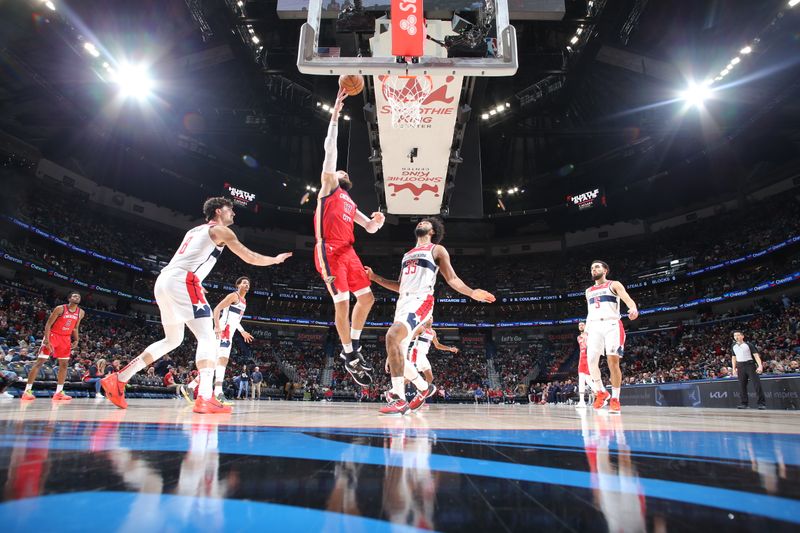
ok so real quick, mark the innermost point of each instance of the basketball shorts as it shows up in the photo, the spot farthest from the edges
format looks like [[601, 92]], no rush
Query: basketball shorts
[[341, 269], [62, 346], [605, 336], [180, 298], [583, 365], [413, 310], [420, 359], [225, 342]]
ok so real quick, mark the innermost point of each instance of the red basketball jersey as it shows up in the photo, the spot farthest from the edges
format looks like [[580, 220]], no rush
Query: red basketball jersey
[[66, 322], [334, 218]]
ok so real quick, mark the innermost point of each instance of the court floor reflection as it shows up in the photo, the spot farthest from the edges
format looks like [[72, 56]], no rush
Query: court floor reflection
[[207, 474]]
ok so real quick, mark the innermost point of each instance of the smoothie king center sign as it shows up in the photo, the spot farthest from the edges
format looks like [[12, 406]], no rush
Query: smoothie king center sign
[[415, 160]]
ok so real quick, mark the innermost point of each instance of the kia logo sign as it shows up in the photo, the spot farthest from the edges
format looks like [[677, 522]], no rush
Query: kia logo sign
[[718, 394]]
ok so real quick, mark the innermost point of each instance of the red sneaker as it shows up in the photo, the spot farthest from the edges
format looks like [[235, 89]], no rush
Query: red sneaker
[[115, 390], [209, 407], [396, 405], [27, 396], [614, 407], [600, 399], [419, 399], [61, 397]]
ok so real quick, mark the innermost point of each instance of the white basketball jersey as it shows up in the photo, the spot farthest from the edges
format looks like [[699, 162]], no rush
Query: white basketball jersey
[[424, 341], [197, 253], [603, 304], [418, 271], [232, 315]]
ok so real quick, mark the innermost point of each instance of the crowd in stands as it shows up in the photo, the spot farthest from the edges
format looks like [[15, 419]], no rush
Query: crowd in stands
[[693, 245]]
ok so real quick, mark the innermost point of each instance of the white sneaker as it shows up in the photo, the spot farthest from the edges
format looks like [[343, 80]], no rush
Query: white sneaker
[[6, 395]]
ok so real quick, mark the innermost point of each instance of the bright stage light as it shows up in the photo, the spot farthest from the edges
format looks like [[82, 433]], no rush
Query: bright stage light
[[735, 61], [793, 3], [746, 50], [134, 81], [50, 5], [696, 94], [89, 47]]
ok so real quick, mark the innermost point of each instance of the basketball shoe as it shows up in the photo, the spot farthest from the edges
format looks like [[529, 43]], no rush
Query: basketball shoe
[[614, 407], [356, 370], [61, 397], [184, 390], [222, 399], [210, 406], [115, 390], [396, 405], [600, 399], [27, 396], [419, 400]]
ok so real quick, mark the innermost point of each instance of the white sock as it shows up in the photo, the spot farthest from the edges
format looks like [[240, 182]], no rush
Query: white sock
[[29, 387], [598, 386], [412, 375], [348, 348], [355, 334], [206, 383], [398, 386], [131, 368], [219, 377], [615, 392], [193, 384], [59, 388]]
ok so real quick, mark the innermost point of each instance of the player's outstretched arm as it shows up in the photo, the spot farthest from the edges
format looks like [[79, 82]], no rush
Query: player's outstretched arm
[[225, 302], [439, 346], [383, 282], [619, 290], [329, 179], [442, 258], [372, 224], [224, 235]]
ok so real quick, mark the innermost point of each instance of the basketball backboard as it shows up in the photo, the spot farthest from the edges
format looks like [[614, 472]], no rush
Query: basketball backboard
[[312, 59]]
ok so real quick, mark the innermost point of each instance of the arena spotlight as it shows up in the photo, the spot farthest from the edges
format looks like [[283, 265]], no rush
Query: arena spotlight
[[50, 5], [696, 94], [133, 81], [91, 49], [793, 3], [746, 50]]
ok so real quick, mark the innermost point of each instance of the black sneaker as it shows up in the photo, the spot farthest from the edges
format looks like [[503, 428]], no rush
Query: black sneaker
[[742, 406], [366, 365], [356, 371], [762, 407]]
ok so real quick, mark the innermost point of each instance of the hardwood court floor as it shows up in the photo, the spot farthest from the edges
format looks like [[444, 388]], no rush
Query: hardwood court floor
[[302, 466]]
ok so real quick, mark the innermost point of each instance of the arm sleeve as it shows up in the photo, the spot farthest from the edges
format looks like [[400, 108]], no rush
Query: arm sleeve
[[331, 152]]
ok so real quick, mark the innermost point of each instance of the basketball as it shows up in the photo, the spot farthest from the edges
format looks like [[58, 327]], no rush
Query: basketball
[[353, 84]]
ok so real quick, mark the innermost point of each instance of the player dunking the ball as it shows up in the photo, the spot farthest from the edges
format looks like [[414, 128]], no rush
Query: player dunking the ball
[[181, 301], [584, 377], [60, 338], [334, 256], [419, 268], [606, 333]]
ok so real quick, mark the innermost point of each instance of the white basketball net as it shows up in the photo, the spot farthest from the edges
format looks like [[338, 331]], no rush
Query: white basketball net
[[405, 95]]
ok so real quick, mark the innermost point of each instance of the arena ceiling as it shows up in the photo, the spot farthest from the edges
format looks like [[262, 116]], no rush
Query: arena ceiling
[[604, 115]]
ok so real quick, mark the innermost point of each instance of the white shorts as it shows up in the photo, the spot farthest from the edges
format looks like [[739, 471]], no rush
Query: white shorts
[[180, 297], [605, 336], [413, 310], [420, 359]]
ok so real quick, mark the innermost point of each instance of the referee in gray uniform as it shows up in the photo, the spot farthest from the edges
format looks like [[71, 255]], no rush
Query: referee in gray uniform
[[746, 364]]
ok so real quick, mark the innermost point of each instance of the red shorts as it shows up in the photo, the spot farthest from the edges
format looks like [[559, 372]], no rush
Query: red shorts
[[583, 364], [340, 268], [62, 346]]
